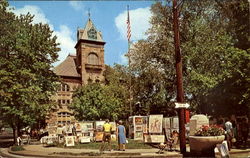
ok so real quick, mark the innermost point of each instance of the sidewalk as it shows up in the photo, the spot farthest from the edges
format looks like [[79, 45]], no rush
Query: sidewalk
[[54, 152], [40, 151]]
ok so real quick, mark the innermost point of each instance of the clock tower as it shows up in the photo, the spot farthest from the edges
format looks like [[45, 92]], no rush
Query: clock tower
[[90, 54]]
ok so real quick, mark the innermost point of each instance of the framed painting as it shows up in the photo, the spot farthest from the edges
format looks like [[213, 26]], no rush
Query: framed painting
[[138, 128], [69, 141], [78, 127], [138, 120], [175, 122], [113, 125], [138, 136], [166, 122], [155, 123], [99, 125], [84, 140], [98, 136], [113, 137], [157, 138]]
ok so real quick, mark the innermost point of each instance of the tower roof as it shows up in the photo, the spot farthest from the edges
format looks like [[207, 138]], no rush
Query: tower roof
[[89, 32]]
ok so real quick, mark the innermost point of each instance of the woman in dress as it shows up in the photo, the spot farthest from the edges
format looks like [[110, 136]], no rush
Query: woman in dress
[[121, 135]]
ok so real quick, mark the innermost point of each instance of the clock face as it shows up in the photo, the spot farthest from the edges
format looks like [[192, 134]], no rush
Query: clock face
[[92, 33]]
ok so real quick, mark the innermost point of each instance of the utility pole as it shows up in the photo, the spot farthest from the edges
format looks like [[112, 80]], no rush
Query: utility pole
[[180, 93]]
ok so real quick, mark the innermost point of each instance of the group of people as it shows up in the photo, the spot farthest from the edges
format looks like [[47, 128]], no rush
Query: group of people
[[120, 135], [236, 129]]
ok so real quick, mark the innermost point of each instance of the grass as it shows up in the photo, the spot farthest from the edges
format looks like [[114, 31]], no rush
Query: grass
[[133, 144], [17, 148]]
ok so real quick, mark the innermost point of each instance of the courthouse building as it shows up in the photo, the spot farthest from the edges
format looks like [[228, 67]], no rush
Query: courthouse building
[[75, 71]]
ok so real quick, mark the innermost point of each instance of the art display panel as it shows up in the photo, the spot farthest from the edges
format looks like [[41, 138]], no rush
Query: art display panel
[[78, 127], [69, 141], [99, 125], [166, 122], [138, 120], [155, 123], [138, 136], [154, 139], [138, 128], [175, 122], [113, 126], [98, 136]]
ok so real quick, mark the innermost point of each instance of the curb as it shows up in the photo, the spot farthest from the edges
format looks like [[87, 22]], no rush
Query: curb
[[241, 151], [95, 156]]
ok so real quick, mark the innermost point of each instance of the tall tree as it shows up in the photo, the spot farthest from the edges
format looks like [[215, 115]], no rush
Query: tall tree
[[209, 55], [26, 79], [235, 15], [95, 102]]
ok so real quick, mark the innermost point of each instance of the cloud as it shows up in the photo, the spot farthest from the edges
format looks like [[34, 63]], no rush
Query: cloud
[[33, 10], [76, 5], [64, 34], [139, 21], [67, 44]]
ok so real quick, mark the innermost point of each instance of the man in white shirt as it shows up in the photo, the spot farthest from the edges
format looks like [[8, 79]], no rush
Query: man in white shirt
[[229, 133]]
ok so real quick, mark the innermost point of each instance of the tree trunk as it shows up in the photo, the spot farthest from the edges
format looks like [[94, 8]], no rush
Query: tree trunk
[[14, 134]]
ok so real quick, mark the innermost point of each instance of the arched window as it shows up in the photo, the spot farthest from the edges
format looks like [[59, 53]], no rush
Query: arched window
[[65, 87], [93, 59]]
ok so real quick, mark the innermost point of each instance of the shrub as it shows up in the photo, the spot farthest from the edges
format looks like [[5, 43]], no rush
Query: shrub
[[17, 148], [210, 131]]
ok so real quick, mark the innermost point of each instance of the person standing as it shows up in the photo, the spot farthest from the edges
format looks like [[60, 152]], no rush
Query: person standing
[[229, 133], [121, 135], [106, 135], [245, 131]]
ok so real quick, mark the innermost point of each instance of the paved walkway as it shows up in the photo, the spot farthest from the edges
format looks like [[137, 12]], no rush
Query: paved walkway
[[34, 151], [41, 151]]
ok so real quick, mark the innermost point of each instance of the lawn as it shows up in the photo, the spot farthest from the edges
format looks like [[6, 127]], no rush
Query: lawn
[[132, 144]]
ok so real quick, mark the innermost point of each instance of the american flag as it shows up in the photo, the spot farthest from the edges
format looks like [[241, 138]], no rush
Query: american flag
[[128, 27]]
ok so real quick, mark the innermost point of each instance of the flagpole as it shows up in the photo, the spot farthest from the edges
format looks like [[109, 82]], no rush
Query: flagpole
[[129, 63]]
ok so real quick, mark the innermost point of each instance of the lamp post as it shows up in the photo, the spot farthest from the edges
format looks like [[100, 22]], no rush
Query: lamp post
[[180, 93]]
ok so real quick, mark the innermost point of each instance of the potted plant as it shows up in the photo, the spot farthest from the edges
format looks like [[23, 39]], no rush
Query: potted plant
[[205, 140]]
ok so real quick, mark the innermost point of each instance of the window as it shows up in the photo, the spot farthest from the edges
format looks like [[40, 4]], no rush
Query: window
[[65, 87], [92, 33], [63, 114], [93, 59]]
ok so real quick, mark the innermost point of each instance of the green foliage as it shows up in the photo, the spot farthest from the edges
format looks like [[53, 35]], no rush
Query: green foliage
[[17, 148], [212, 59], [117, 78], [95, 102], [26, 79], [132, 144]]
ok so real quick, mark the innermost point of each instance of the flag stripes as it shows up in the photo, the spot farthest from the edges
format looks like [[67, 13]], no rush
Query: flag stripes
[[128, 27]]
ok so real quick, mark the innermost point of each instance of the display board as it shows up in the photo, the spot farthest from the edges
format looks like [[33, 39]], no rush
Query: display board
[[138, 135], [98, 136], [113, 126], [155, 123], [69, 141], [99, 125], [154, 139]]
